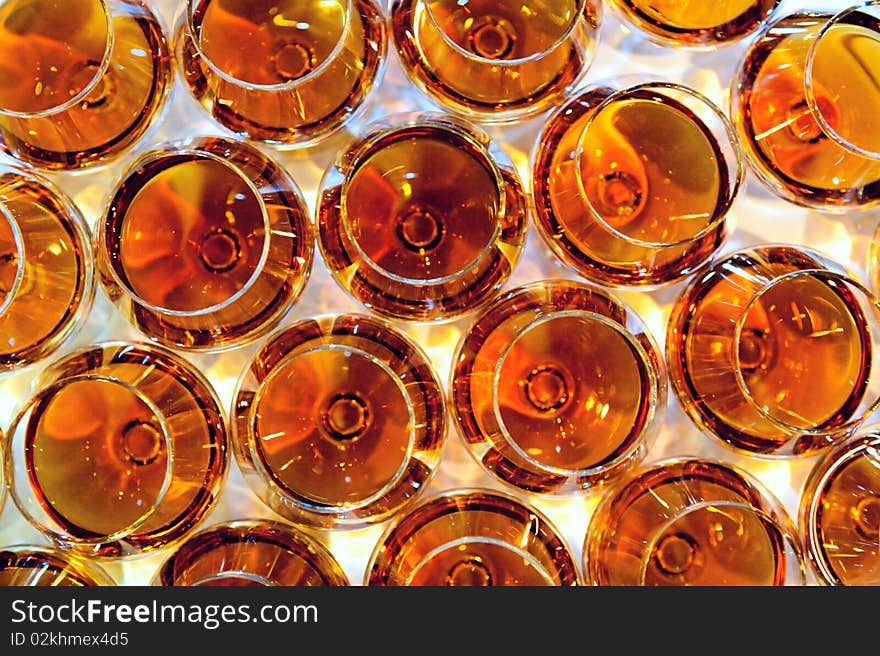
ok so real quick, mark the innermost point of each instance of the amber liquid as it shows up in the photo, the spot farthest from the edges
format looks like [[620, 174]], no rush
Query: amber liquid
[[344, 416], [696, 22], [842, 505], [229, 246], [805, 351], [472, 75], [51, 50], [44, 283], [785, 141], [251, 553], [328, 62], [39, 567], [425, 227], [650, 170], [574, 393], [472, 539], [649, 533], [97, 458]]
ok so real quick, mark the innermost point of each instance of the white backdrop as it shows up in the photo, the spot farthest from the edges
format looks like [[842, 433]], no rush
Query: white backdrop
[[758, 218]]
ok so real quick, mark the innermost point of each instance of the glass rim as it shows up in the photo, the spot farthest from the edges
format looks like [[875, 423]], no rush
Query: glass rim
[[817, 481], [80, 233], [577, 17], [461, 542], [192, 549], [15, 493], [158, 153], [638, 20], [303, 501], [88, 567], [233, 574], [809, 90], [721, 212], [194, 32], [652, 400], [21, 257], [766, 517], [792, 430], [403, 522], [88, 88], [369, 145]]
